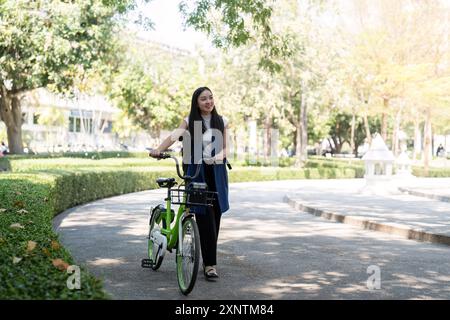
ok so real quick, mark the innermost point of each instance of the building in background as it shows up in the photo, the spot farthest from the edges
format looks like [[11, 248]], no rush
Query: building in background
[[85, 123], [54, 123]]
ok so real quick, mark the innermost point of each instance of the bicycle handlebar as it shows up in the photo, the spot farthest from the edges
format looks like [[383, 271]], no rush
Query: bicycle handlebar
[[165, 155]]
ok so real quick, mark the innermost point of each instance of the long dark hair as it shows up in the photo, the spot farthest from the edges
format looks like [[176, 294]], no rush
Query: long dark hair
[[195, 114]]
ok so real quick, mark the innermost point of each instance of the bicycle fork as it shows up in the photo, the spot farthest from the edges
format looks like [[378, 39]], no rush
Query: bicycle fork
[[180, 234]]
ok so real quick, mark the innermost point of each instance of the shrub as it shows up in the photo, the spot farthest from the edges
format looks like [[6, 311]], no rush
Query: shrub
[[27, 209], [42, 164], [28, 203], [269, 174], [282, 162], [432, 172], [358, 167]]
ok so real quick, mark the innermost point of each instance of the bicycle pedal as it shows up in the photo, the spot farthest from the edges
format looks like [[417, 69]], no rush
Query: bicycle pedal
[[146, 263]]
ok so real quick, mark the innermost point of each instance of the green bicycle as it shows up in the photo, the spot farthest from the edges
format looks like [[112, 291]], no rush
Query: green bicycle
[[168, 231]]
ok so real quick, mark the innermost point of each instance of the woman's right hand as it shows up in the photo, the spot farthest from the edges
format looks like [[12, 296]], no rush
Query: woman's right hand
[[155, 153]]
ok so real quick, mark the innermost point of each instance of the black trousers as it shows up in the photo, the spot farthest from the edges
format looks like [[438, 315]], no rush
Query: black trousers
[[209, 223]]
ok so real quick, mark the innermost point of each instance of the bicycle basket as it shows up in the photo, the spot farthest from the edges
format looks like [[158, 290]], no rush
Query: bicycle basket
[[196, 194]]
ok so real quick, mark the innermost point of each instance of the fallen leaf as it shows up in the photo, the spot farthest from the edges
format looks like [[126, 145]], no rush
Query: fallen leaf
[[19, 204], [3, 210], [17, 226], [31, 246], [46, 252], [22, 211], [55, 245], [16, 260], [60, 264]]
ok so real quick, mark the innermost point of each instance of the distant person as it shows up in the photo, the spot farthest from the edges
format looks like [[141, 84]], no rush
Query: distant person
[[3, 149], [440, 152]]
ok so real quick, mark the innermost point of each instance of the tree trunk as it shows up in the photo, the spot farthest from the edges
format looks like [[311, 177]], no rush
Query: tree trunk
[[417, 137], [352, 134], [337, 145], [15, 143], [427, 152], [11, 114], [267, 138], [303, 155], [234, 151], [367, 128], [298, 142], [395, 140], [296, 138], [384, 117]]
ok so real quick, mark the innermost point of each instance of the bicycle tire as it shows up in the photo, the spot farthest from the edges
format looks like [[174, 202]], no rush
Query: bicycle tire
[[190, 253], [152, 225]]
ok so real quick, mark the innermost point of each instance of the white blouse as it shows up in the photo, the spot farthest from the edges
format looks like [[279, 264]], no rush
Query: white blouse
[[207, 137]]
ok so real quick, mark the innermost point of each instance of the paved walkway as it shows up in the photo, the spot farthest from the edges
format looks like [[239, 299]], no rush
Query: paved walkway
[[267, 250], [423, 214]]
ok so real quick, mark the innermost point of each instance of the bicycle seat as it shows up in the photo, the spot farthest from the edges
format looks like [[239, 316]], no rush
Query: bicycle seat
[[166, 182]]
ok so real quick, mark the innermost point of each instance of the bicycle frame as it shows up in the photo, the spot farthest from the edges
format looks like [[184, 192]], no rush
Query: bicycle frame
[[174, 233]]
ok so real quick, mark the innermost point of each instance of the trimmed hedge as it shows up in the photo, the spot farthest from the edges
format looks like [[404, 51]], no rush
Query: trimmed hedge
[[72, 189], [358, 167], [87, 155], [432, 172], [6, 162], [28, 203], [248, 174], [26, 212], [282, 162], [28, 164]]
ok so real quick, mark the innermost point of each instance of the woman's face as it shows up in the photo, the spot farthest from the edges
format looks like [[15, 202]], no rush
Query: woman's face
[[206, 102]]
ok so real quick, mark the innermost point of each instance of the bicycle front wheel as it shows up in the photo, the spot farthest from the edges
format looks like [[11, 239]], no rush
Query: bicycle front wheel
[[155, 252], [189, 258]]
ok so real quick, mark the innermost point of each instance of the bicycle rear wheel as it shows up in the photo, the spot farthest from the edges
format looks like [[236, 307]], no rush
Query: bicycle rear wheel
[[189, 258]]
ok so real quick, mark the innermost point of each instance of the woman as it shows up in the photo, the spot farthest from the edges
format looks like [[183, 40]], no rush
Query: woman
[[212, 171]]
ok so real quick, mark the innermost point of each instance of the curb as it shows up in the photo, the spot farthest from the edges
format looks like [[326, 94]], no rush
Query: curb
[[425, 195], [364, 223]]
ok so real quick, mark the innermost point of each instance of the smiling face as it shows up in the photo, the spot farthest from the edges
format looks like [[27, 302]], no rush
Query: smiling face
[[206, 102]]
